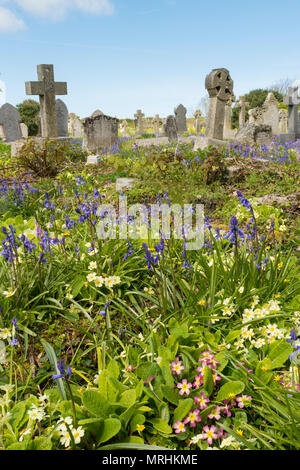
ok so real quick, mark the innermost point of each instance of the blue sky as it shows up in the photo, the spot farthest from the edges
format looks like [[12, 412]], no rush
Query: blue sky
[[122, 55]]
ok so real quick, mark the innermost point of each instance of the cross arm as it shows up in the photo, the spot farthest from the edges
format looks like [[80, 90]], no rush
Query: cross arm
[[61, 88], [34, 88]]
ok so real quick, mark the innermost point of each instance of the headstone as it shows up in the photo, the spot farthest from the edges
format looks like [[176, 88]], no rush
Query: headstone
[[270, 113], [97, 113], [125, 128], [100, 131], [140, 124], [255, 116], [10, 121], [241, 105], [227, 120], [198, 123], [220, 88], [75, 127], [156, 123], [24, 130], [253, 134], [62, 115], [293, 102], [180, 116], [283, 121], [47, 88], [170, 128]]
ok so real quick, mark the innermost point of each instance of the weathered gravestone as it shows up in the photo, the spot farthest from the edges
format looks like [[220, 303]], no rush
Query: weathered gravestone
[[47, 88], [220, 89], [125, 128], [140, 123], [170, 128], [293, 102], [62, 115], [24, 130], [270, 113], [156, 123], [10, 121], [75, 126], [255, 116], [253, 134], [241, 105], [229, 133], [99, 131], [180, 116], [198, 123], [97, 113], [283, 121]]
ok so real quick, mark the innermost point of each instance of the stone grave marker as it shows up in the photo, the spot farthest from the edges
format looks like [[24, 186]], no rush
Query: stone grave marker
[[255, 116], [283, 121], [170, 128], [293, 102], [156, 124], [62, 115], [75, 126], [180, 116], [198, 123], [140, 123], [97, 113], [10, 121], [24, 130], [125, 128], [270, 113], [99, 131], [47, 89], [241, 105]]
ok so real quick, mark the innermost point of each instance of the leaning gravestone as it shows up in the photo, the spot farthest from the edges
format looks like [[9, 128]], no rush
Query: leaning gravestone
[[99, 131], [75, 126], [170, 128], [62, 115], [24, 130], [180, 115], [10, 121]]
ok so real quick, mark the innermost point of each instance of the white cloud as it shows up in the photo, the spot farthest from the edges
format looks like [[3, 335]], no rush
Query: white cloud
[[57, 9], [9, 22]]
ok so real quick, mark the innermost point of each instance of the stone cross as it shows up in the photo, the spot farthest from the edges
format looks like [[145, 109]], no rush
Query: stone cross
[[227, 122], [292, 101], [139, 116], [47, 88], [171, 129], [241, 104], [220, 88], [197, 116], [156, 122]]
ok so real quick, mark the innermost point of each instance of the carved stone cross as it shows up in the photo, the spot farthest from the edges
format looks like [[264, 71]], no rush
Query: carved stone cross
[[156, 123], [241, 104], [292, 101], [139, 115], [220, 87], [47, 88]]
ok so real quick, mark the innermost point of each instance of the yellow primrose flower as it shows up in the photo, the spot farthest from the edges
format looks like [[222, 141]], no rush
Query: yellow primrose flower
[[201, 302], [140, 427]]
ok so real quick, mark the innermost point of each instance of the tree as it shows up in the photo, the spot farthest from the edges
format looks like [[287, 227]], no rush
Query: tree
[[256, 99], [282, 86], [29, 112]]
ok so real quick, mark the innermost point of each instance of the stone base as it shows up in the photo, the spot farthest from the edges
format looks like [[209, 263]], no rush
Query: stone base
[[229, 133], [204, 142], [125, 183], [16, 146], [162, 141], [284, 138], [92, 160]]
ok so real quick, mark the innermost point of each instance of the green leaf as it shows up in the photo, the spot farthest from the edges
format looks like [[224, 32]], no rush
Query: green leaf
[[136, 420], [232, 335], [95, 403], [53, 360], [182, 409], [128, 397], [208, 381], [279, 353], [17, 414], [170, 394], [126, 445], [113, 369], [77, 285], [111, 427], [231, 388], [164, 412], [160, 425]]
